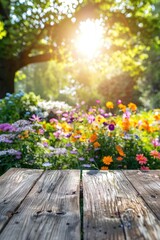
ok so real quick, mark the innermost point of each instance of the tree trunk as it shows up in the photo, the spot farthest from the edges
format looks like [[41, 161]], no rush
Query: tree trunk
[[8, 69]]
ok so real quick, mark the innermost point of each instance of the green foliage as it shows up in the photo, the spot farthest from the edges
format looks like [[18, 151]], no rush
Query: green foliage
[[18, 106], [47, 80], [148, 84], [2, 31]]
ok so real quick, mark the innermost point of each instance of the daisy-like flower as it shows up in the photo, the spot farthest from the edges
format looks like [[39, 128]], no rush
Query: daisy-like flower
[[120, 151], [107, 160], [96, 145], [141, 159], [122, 107], [132, 106], [93, 138], [35, 118], [155, 154], [109, 105]]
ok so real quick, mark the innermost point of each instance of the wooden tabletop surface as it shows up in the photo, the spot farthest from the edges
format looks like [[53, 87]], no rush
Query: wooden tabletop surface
[[68, 205]]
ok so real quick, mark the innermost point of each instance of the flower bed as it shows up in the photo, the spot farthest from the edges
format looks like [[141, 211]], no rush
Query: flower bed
[[95, 138]]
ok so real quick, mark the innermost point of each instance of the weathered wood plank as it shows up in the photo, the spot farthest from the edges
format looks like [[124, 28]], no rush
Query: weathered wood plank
[[50, 211], [114, 210], [100, 211], [14, 186], [147, 183]]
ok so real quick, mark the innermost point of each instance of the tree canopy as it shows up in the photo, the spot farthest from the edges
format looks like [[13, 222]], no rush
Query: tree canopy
[[37, 31]]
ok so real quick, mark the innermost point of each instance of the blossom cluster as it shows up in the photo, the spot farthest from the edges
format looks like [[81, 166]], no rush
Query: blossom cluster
[[77, 138]]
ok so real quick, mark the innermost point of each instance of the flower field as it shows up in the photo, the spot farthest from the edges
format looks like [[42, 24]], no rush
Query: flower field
[[101, 137]]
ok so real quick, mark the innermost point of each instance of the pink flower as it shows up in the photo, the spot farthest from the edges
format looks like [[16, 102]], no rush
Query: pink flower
[[97, 101], [119, 101], [141, 159], [144, 168], [155, 154], [53, 120], [35, 118], [156, 142]]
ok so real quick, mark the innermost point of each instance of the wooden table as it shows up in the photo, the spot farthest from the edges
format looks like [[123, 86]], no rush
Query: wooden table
[[58, 205]]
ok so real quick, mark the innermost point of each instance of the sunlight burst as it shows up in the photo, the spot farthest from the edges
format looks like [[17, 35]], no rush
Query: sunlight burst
[[90, 38]]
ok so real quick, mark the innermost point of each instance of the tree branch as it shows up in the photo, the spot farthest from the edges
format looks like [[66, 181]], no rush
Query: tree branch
[[37, 59]]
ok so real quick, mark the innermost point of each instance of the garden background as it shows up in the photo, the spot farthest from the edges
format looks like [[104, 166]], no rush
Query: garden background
[[80, 84]]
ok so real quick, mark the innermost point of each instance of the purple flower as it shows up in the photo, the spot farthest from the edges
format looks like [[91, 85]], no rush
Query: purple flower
[[73, 152], [81, 159], [68, 145], [91, 159], [57, 133], [86, 165], [18, 154], [101, 111], [6, 127], [111, 127], [91, 118]]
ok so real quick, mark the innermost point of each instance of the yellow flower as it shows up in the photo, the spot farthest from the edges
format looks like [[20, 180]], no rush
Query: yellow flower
[[96, 145], [122, 107], [109, 105], [100, 119], [83, 138], [104, 168], [132, 106], [107, 160]]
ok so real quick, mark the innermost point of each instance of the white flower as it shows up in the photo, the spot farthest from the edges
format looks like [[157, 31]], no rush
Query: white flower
[[46, 164]]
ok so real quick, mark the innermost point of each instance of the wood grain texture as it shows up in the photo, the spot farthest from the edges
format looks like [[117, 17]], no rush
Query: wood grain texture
[[114, 210], [147, 183], [50, 211], [100, 210], [14, 186]]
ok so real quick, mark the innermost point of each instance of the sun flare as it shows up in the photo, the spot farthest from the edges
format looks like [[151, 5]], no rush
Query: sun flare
[[89, 38]]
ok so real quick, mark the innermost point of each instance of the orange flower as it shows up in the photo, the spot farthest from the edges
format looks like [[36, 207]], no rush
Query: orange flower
[[119, 158], [126, 124], [157, 116], [155, 154], [146, 126], [132, 106], [107, 160], [93, 138], [109, 105], [120, 151], [96, 145], [104, 168], [122, 107]]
